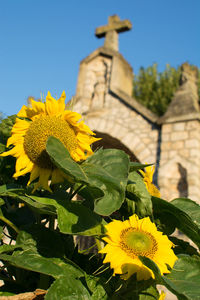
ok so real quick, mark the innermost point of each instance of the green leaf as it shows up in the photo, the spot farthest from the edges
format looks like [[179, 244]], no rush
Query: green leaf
[[151, 293], [137, 191], [31, 260], [189, 207], [2, 202], [8, 248], [62, 159], [184, 279], [180, 219], [134, 166], [98, 291], [19, 195], [40, 238], [67, 288], [9, 188], [42, 252], [73, 217], [106, 170]]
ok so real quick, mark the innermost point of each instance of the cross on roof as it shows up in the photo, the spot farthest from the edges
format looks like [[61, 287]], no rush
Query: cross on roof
[[110, 31]]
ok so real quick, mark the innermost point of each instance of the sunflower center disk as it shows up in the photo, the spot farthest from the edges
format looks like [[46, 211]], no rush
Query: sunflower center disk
[[38, 133], [135, 242]]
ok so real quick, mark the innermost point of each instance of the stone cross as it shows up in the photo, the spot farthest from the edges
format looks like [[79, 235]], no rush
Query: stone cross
[[110, 31]]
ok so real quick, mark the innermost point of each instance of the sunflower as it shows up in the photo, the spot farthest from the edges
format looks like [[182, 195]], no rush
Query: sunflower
[[128, 240], [33, 126], [148, 179]]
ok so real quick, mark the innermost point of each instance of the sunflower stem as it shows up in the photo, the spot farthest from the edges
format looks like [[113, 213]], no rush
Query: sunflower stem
[[9, 223]]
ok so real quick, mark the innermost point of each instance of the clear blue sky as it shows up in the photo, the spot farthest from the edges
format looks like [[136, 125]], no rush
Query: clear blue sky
[[43, 41]]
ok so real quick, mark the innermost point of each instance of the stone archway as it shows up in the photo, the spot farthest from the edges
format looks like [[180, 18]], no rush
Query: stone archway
[[108, 142]]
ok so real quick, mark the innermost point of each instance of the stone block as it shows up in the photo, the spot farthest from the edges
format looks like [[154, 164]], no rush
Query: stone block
[[179, 135], [134, 143], [178, 145], [144, 154], [192, 143], [127, 138], [192, 124], [146, 140], [172, 153], [193, 181], [166, 128], [164, 155], [194, 153], [184, 153], [178, 126], [165, 137], [166, 146], [195, 133]]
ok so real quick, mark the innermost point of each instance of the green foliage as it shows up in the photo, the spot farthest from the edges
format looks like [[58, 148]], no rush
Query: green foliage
[[43, 227], [155, 89], [6, 164], [183, 280]]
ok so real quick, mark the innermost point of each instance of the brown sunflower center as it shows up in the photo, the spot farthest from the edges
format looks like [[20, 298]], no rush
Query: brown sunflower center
[[137, 242], [37, 134]]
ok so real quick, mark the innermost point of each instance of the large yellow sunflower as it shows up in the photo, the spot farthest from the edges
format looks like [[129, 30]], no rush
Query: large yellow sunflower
[[128, 240], [148, 180], [30, 133]]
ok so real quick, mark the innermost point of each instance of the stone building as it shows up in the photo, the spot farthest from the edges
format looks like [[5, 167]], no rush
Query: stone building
[[172, 142]]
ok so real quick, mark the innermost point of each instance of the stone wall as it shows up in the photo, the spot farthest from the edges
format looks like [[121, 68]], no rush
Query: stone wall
[[139, 135], [179, 172]]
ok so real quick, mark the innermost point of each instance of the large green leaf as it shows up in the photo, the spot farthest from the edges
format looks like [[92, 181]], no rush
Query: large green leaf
[[106, 170], [185, 276], [36, 257], [73, 217], [136, 190], [184, 279], [20, 195], [31, 260], [67, 288], [189, 207], [178, 217], [40, 238]]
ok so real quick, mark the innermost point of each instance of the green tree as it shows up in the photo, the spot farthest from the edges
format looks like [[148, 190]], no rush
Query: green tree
[[155, 89]]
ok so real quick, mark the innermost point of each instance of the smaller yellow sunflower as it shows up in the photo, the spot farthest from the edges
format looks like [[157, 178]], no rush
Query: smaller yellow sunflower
[[148, 179], [34, 125], [128, 240]]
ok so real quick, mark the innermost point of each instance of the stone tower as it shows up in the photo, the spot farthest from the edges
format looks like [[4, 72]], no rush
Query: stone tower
[[172, 142], [179, 170]]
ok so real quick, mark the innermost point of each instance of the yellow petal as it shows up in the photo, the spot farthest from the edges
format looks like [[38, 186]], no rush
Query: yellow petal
[[21, 162], [20, 127], [15, 139], [51, 105], [72, 117], [57, 176], [15, 151], [61, 102], [37, 106], [26, 170], [44, 179], [84, 128], [35, 173]]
